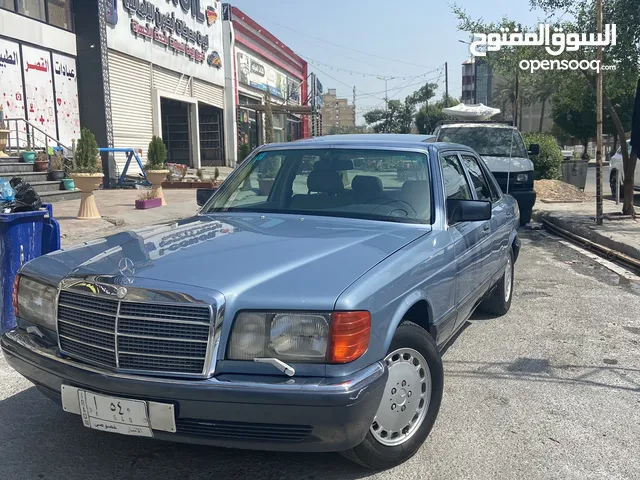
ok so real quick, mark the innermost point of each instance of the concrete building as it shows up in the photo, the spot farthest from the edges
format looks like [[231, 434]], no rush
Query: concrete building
[[336, 112]]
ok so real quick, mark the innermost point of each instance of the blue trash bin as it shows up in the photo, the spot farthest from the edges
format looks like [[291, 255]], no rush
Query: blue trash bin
[[23, 237]]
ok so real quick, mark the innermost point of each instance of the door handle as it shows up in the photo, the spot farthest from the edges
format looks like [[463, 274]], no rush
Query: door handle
[[486, 228]]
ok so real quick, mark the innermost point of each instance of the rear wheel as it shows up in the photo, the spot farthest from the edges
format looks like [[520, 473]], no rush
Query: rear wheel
[[525, 216], [409, 404], [499, 301], [613, 178]]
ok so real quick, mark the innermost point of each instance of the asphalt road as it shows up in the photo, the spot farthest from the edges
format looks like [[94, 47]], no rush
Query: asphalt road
[[551, 390]]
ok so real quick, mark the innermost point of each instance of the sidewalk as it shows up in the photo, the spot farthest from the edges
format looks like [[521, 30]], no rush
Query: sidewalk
[[118, 214], [620, 234]]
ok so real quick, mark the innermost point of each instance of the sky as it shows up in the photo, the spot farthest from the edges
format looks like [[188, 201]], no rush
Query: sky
[[407, 39]]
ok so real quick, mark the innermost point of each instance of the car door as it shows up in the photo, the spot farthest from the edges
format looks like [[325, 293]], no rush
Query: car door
[[481, 191], [465, 236], [501, 213]]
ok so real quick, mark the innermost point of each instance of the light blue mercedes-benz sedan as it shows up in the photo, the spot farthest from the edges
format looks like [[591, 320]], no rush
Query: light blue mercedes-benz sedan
[[303, 308]]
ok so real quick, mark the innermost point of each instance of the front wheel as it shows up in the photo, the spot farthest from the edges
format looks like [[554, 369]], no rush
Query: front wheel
[[525, 216], [410, 402]]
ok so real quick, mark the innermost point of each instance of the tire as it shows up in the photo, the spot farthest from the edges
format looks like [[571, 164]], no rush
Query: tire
[[525, 216], [613, 178], [411, 343], [499, 300]]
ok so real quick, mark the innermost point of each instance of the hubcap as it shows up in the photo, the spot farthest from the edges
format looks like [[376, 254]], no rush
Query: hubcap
[[406, 398], [508, 274]]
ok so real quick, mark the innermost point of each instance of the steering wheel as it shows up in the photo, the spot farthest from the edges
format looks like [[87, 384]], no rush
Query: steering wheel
[[415, 214]]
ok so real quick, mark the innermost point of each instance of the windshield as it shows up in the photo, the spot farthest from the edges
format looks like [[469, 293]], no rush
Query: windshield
[[370, 184], [487, 141]]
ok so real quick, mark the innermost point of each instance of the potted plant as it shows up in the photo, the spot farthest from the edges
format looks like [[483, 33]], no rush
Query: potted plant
[[87, 174], [42, 162], [148, 200], [267, 176], [156, 167], [57, 167], [4, 134]]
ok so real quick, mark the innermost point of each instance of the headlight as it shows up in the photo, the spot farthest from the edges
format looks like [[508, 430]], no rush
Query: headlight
[[340, 337], [522, 177], [35, 302]]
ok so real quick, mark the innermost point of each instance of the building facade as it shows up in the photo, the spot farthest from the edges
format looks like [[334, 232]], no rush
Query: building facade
[[264, 69], [336, 112], [38, 71]]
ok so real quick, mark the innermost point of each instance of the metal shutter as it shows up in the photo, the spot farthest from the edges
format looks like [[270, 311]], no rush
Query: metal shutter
[[208, 93], [131, 110], [171, 82]]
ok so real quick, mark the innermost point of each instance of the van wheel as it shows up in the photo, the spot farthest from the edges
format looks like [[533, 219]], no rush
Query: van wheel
[[525, 216], [613, 178], [410, 402], [499, 301]]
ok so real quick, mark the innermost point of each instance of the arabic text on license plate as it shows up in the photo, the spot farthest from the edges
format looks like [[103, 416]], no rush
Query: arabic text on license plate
[[116, 415]]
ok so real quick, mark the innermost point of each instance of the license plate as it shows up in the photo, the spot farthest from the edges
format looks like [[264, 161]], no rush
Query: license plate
[[113, 414]]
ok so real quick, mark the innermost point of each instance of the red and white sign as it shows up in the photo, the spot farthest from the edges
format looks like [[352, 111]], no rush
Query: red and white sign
[[38, 80], [11, 87], [66, 83]]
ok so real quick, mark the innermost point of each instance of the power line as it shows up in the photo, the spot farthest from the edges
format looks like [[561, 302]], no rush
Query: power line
[[354, 72], [347, 48]]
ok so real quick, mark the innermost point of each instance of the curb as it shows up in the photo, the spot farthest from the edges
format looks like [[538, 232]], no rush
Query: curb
[[581, 230]]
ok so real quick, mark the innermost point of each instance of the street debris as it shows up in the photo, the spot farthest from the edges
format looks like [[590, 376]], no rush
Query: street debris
[[557, 191]]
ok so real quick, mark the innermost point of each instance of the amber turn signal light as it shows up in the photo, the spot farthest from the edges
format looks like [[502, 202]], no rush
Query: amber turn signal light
[[349, 336]]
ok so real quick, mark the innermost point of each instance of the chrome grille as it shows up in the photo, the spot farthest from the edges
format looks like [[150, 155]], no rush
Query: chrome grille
[[134, 336]]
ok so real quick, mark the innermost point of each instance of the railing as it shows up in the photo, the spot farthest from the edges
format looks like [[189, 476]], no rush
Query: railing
[[24, 136]]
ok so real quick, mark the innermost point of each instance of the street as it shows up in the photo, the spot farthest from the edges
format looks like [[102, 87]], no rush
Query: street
[[551, 390]]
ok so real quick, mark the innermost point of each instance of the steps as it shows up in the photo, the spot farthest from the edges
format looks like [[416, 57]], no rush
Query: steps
[[49, 191]]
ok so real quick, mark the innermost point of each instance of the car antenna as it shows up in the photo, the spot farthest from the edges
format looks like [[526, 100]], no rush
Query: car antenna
[[510, 161]]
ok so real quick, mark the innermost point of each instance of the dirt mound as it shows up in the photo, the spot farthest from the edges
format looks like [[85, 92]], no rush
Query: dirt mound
[[558, 191]]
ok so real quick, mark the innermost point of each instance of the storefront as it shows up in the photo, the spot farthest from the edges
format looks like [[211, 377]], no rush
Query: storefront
[[38, 80], [263, 64], [163, 75]]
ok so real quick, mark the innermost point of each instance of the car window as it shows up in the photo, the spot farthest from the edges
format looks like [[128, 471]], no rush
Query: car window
[[489, 140], [480, 183], [455, 181], [359, 183]]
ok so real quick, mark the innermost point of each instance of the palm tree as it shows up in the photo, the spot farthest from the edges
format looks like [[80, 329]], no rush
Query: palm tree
[[544, 86]]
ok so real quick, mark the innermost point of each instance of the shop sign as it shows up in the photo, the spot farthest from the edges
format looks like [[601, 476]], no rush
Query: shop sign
[[264, 77], [12, 88], [111, 11], [66, 98]]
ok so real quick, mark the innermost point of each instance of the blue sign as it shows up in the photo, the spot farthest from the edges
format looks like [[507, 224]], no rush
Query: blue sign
[[111, 11]]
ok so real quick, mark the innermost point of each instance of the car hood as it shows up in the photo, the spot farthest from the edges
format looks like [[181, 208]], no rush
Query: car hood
[[236, 253], [508, 164]]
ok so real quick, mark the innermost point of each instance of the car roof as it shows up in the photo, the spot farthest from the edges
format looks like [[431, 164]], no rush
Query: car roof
[[381, 140]]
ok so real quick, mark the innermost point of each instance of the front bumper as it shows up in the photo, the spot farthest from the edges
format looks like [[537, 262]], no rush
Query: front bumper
[[236, 411]]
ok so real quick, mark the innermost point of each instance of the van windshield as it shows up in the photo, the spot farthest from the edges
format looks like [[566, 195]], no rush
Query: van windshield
[[490, 141]]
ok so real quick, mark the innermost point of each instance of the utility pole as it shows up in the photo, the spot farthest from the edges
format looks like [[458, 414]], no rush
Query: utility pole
[[599, 79], [446, 84], [354, 105], [386, 96]]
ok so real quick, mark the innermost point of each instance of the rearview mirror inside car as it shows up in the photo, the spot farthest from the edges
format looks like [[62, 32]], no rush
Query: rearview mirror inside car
[[534, 149], [203, 195], [468, 210]]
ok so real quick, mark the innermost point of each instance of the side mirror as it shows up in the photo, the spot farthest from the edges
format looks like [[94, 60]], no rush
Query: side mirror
[[203, 195], [534, 149], [468, 210]]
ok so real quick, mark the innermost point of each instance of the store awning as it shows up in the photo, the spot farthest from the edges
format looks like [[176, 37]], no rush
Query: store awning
[[299, 109]]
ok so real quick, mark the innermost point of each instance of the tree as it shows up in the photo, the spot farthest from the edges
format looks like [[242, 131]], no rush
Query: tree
[[429, 115], [624, 56], [544, 86], [574, 112], [399, 116], [342, 130], [268, 119]]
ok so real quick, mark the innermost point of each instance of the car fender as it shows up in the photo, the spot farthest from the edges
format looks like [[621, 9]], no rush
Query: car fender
[[401, 310]]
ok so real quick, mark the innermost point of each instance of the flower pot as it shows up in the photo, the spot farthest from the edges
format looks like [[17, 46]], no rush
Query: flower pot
[[148, 203], [265, 185], [4, 139], [42, 165], [175, 185], [156, 177], [57, 175], [68, 183], [87, 183], [29, 157]]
